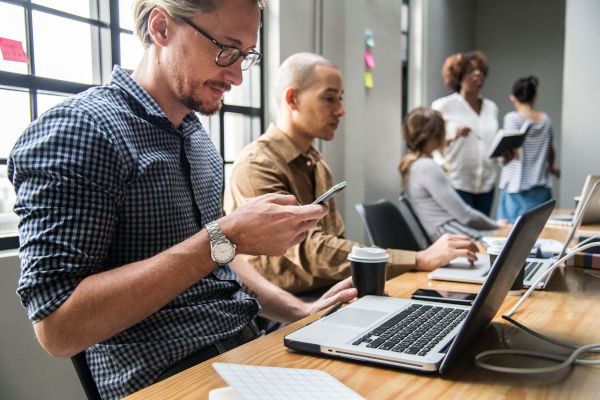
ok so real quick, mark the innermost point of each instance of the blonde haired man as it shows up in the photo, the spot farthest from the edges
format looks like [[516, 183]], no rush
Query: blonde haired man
[[124, 252]]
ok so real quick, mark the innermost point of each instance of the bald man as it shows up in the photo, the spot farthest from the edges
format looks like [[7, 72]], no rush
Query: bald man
[[308, 91]]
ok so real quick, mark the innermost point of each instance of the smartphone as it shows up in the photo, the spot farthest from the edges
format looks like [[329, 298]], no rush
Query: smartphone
[[330, 193], [444, 296]]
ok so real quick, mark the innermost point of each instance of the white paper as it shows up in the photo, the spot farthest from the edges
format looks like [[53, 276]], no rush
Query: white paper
[[274, 383]]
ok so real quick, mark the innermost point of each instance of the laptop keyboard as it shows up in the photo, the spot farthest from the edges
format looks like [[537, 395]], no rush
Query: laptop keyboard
[[531, 267], [415, 330]]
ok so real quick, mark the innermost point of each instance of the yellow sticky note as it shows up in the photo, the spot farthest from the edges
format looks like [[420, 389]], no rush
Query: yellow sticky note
[[368, 79]]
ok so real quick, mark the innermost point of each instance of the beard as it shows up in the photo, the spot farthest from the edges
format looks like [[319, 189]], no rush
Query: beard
[[194, 103]]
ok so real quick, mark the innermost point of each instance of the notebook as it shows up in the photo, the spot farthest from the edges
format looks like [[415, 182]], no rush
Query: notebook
[[253, 382], [592, 211], [420, 335], [460, 270]]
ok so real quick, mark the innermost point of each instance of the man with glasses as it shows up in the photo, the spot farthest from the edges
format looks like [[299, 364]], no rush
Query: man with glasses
[[124, 252], [308, 93]]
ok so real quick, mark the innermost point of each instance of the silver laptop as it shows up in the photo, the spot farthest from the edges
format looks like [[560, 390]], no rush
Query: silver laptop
[[420, 335], [460, 270], [592, 211]]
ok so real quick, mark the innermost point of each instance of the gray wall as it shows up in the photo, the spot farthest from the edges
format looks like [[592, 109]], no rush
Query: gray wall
[[367, 146], [580, 142], [26, 370], [437, 29], [520, 38]]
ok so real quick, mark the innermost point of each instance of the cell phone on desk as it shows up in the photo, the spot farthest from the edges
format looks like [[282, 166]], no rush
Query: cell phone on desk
[[330, 193], [444, 296]]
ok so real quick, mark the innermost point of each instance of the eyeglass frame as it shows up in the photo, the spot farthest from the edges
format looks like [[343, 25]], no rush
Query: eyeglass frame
[[223, 47]]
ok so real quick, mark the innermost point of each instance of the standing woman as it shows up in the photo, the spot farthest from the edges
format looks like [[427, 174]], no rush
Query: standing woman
[[471, 124], [525, 180]]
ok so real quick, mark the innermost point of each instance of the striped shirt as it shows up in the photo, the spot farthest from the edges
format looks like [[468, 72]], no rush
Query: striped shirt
[[531, 168], [100, 184]]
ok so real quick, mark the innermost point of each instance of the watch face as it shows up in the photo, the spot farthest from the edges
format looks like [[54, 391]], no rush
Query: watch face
[[223, 252]]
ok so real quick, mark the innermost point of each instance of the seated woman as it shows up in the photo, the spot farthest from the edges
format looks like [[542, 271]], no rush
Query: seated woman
[[427, 187]]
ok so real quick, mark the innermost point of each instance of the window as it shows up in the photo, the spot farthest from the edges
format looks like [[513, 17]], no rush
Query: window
[[404, 48], [71, 46]]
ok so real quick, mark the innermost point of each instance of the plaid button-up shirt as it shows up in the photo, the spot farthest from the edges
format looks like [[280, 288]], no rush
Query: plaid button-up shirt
[[100, 184]]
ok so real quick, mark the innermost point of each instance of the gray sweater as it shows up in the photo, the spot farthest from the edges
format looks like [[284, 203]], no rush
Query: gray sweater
[[437, 204]]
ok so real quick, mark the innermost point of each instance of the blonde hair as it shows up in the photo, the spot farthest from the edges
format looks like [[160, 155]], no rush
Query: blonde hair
[[178, 9], [420, 125]]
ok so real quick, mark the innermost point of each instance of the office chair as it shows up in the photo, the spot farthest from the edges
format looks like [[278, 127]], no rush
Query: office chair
[[386, 226], [85, 376], [419, 233]]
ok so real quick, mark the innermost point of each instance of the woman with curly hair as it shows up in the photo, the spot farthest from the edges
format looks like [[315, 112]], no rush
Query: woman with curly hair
[[426, 186], [471, 124]]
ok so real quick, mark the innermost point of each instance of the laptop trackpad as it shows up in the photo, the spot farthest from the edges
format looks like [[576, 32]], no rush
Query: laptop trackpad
[[355, 317]]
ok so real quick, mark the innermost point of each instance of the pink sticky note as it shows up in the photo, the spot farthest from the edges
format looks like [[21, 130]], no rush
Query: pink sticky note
[[369, 59], [12, 50]]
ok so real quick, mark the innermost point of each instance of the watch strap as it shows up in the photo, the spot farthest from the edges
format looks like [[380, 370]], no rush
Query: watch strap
[[214, 232]]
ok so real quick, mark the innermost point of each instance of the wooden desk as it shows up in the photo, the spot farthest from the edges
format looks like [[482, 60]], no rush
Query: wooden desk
[[567, 310]]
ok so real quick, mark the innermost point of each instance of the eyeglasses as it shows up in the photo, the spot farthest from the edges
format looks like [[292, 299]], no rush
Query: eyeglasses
[[227, 55]]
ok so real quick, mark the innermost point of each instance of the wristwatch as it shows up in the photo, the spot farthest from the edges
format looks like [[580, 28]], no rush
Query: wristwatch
[[222, 250]]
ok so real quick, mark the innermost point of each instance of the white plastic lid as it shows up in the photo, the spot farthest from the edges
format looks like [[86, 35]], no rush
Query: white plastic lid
[[368, 254], [494, 249]]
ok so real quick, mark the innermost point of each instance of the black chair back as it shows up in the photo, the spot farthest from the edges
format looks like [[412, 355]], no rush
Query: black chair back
[[414, 224], [386, 226], [85, 376]]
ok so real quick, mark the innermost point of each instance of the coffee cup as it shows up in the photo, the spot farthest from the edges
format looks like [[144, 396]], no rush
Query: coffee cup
[[368, 265], [493, 252]]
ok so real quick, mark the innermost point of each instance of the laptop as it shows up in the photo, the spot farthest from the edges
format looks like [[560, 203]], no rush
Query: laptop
[[592, 212], [420, 335], [460, 270]]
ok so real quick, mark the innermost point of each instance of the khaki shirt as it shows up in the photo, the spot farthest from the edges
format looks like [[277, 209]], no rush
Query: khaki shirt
[[273, 164]]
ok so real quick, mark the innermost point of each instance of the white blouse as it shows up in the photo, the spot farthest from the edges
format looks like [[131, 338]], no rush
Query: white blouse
[[471, 170]]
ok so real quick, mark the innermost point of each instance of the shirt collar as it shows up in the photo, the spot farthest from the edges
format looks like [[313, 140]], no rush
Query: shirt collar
[[287, 148], [123, 80]]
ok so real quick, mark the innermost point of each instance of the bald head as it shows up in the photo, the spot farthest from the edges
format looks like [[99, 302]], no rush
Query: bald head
[[298, 72]]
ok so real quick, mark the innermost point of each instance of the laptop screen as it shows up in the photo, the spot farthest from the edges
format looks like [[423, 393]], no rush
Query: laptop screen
[[587, 200], [523, 236], [587, 210]]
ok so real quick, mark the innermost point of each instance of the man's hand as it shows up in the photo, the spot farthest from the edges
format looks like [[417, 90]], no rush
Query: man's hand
[[446, 248], [342, 291], [270, 224]]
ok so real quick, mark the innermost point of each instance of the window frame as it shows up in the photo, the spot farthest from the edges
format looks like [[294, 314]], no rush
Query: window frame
[[247, 111], [106, 52]]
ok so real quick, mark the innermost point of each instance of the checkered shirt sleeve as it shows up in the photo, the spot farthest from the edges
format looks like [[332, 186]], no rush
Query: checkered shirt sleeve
[[99, 185]]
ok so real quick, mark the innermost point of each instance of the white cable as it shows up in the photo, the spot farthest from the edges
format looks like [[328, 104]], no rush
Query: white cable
[[587, 240], [592, 273], [572, 359], [543, 275], [566, 361]]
